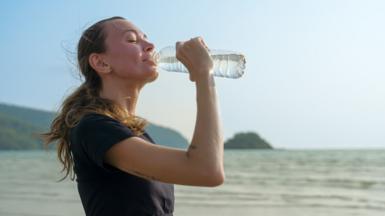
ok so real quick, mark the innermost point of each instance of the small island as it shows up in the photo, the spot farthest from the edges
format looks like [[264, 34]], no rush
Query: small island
[[247, 140]]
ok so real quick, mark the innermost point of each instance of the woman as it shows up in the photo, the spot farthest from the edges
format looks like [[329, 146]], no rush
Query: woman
[[119, 169]]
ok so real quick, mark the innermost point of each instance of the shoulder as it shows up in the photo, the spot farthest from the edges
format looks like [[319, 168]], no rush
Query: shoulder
[[94, 121], [95, 117], [90, 117], [95, 124], [96, 128]]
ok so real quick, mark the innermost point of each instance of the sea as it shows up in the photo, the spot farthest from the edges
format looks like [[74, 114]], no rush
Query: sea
[[258, 182]]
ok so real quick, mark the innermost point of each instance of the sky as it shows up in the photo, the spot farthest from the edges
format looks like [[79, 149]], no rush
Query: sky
[[314, 75]]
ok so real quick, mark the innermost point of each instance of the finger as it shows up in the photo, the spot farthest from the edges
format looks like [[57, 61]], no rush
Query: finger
[[203, 42], [200, 40], [181, 56], [178, 44], [179, 50]]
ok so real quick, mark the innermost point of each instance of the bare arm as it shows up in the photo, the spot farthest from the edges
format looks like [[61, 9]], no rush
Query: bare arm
[[206, 149]]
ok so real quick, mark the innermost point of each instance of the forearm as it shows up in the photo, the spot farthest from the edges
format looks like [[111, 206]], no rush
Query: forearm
[[206, 149]]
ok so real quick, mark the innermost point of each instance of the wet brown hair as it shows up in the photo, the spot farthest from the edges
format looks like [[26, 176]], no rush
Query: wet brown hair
[[85, 99]]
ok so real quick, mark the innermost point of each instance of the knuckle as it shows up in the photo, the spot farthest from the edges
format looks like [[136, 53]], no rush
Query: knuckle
[[177, 44]]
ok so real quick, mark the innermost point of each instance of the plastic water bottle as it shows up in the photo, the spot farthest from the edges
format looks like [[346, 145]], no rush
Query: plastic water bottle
[[227, 64]]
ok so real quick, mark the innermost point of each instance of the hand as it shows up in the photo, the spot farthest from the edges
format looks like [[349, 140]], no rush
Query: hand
[[194, 54]]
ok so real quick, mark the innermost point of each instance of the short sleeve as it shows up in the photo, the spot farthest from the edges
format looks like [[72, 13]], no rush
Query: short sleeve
[[99, 133]]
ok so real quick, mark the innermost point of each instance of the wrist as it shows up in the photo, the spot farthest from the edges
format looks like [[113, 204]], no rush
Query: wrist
[[205, 79]]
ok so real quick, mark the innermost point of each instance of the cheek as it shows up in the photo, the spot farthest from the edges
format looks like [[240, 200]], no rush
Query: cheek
[[124, 60]]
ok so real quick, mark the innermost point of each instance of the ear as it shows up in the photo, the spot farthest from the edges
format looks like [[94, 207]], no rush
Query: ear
[[97, 62]]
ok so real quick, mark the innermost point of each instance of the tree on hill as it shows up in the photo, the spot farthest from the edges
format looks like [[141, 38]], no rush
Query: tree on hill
[[247, 140]]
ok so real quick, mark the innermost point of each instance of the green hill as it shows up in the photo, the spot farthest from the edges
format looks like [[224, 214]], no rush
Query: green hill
[[18, 124], [248, 140]]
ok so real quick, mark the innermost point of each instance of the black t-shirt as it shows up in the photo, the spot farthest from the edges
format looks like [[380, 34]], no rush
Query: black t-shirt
[[104, 189]]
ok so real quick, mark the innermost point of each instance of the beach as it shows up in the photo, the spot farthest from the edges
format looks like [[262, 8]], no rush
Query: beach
[[333, 183]]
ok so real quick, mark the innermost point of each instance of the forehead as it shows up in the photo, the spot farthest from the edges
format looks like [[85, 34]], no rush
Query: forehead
[[118, 28]]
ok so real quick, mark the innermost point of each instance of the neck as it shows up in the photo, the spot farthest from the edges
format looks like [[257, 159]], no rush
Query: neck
[[122, 92]]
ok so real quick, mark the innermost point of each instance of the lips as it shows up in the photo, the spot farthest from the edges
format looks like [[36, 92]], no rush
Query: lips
[[153, 56], [150, 61]]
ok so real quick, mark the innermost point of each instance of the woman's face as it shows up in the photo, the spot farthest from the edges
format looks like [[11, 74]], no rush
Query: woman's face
[[128, 52]]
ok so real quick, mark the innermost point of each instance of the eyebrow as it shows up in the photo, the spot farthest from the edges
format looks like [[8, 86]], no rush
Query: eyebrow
[[133, 30]]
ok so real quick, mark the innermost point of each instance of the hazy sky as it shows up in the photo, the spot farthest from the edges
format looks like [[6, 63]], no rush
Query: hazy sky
[[315, 74]]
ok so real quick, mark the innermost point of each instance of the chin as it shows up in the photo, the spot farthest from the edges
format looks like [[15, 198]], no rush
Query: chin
[[153, 77]]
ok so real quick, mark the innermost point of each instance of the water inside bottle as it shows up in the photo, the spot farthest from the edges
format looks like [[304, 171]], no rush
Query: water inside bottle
[[226, 63]]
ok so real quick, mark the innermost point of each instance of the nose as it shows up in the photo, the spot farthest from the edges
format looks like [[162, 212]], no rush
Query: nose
[[149, 47]]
